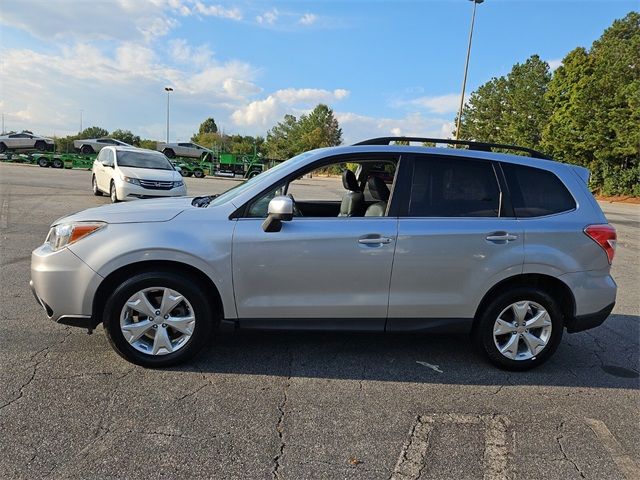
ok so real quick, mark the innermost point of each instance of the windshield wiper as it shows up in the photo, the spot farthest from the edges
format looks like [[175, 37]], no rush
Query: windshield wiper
[[203, 201]]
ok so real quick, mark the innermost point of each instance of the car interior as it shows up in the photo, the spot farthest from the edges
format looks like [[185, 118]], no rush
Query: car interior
[[366, 189]]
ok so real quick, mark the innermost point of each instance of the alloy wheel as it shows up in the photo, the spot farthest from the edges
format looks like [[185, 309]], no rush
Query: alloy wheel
[[157, 321], [522, 330]]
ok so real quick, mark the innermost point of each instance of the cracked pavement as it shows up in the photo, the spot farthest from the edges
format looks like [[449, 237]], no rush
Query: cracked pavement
[[301, 405]]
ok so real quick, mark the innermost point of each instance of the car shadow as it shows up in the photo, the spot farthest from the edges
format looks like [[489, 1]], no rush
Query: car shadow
[[605, 357]]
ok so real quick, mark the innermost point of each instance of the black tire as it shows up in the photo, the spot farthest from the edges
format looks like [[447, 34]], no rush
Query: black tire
[[188, 174], [113, 193], [191, 291], [43, 162], [57, 163], [253, 173], [169, 153], [3, 147], [87, 149], [198, 173], [184, 172], [94, 187], [41, 145], [483, 329]]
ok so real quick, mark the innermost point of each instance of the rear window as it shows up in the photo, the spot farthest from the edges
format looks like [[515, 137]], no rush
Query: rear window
[[450, 187], [536, 192]]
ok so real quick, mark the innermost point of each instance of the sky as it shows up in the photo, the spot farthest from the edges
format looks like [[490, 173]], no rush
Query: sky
[[385, 67]]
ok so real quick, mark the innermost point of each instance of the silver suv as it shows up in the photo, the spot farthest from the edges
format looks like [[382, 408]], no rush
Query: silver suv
[[513, 249]]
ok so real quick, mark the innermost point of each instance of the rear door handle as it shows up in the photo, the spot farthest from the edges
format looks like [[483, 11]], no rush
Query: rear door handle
[[501, 237], [374, 241]]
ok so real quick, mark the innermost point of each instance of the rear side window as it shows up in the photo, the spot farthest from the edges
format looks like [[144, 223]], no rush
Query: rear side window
[[536, 192], [450, 187]]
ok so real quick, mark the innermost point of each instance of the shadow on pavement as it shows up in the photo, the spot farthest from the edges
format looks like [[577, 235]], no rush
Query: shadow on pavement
[[601, 358]]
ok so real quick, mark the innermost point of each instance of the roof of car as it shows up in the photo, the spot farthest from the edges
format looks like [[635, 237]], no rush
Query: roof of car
[[123, 148]]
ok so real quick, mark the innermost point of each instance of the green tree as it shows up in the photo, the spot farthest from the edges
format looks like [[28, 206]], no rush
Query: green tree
[[511, 109], [208, 126], [126, 136], [93, 132], [291, 136]]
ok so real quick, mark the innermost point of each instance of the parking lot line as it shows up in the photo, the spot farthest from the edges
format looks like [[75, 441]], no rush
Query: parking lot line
[[625, 463]]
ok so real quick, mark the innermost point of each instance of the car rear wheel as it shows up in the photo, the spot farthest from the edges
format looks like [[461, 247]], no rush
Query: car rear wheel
[[86, 149], [94, 187], [158, 319], [3, 147], [169, 153], [520, 329], [40, 145], [113, 193]]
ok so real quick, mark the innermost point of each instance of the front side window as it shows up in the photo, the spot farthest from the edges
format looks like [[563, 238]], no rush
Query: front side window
[[452, 187], [536, 192]]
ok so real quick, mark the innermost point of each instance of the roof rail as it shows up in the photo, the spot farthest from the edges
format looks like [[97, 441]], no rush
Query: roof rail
[[480, 146]]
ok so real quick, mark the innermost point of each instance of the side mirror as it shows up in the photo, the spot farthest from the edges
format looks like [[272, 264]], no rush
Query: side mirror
[[280, 210]]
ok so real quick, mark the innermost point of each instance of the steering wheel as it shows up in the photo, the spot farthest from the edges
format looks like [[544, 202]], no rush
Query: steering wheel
[[296, 210]]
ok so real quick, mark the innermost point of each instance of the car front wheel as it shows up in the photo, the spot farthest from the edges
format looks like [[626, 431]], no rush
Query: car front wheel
[[94, 187], [158, 319], [520, 329], [113, 193]]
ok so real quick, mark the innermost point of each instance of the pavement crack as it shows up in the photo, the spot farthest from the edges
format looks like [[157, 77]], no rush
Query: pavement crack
[[559, 438], [282, 408], [412, 460]]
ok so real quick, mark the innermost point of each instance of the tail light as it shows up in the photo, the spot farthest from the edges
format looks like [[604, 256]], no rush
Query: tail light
[[605, 236]]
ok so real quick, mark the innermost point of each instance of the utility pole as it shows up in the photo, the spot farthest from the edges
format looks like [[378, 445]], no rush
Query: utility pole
[[466, 67], [168, 90], [81, 120]]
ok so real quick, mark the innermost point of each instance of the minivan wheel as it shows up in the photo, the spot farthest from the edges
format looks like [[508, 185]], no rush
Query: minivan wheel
[[113, 193], [94, 187], [158, 319], [520, 329]]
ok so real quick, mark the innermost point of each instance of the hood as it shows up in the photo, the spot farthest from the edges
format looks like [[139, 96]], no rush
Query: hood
[[138, 211], [151, 174]]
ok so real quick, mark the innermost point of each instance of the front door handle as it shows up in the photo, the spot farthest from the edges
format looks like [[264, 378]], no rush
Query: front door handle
[[501, 237], [374, 241]]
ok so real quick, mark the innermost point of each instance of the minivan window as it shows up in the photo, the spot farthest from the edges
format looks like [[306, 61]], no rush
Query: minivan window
[[536, 192], [143, 160], [450, 187]]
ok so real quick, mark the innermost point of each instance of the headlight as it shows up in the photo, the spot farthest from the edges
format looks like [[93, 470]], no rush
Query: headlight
[[179, 183], [67, 233], [133, 181]]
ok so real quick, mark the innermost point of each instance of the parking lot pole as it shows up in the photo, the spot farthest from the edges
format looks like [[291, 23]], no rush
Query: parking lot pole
[[168, 89]]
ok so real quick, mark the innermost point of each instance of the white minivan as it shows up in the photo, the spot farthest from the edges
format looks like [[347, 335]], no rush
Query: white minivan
[[128, 173]]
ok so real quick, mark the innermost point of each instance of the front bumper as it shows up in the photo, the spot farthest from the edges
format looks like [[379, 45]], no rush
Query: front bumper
[[64, 286], [129, 191]]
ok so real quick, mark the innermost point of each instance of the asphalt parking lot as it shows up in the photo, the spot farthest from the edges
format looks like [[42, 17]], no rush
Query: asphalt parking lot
[[294, 405]]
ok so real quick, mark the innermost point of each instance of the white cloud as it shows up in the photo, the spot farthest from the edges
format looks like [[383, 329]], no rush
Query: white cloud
[[439, 104], [268, 18], [360, 127], [553, 64], [264, 113], [308, 19], [217, 11]]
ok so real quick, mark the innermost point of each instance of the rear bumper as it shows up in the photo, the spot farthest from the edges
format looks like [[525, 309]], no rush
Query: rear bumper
[[591, 320]]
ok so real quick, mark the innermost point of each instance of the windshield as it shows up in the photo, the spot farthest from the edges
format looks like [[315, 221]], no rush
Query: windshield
[[143, 160], [233, 192]]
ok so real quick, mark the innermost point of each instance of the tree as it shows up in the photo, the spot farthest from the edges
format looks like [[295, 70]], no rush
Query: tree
[[510, 109], [126, 136], [93, 132], [208, 126], [291, 136]]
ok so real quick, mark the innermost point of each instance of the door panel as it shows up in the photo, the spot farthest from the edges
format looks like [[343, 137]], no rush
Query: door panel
[[314, 268], [443, 266]]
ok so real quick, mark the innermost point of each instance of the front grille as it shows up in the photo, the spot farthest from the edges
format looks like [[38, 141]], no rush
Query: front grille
[[156, 184]]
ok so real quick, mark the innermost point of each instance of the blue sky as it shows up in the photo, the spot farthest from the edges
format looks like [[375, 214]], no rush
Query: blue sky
[[385, 67]]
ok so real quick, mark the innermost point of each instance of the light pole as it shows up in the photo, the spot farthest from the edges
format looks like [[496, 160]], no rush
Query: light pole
[[168, 89], [81, 120], [466, 67]]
